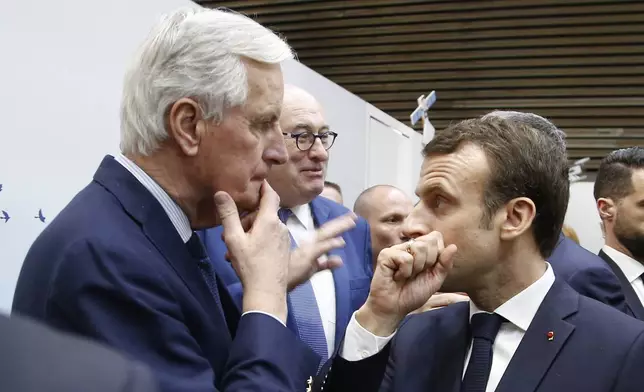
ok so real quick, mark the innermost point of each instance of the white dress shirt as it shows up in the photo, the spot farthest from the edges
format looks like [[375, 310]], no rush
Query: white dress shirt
[[518, 311], [631, 268], [302, 227], [178, 218]]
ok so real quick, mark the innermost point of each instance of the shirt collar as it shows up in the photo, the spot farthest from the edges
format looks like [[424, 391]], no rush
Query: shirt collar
[[521, 309], [631, 268], [303, 215], [177, 216]]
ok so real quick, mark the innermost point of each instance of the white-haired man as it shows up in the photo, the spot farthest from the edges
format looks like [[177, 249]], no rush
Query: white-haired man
[[121, 263]]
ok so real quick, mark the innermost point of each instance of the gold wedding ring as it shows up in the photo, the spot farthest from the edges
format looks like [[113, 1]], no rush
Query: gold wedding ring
[[409, 243]]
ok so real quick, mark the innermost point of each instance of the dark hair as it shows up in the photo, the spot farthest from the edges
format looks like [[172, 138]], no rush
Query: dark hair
[[333, 185], [524, 162], [614, 179]]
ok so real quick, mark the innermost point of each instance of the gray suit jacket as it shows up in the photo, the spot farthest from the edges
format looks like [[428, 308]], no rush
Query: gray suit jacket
[[36, 358]]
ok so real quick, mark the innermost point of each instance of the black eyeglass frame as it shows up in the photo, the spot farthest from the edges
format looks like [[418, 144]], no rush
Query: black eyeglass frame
[[315, 136]]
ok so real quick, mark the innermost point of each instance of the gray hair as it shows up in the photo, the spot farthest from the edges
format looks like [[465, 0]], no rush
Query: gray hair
[[197, 53], [534, 121]]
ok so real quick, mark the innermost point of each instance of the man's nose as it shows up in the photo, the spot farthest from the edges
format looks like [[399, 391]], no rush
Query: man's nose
[[414, 226], [276, 153], [317, 152]]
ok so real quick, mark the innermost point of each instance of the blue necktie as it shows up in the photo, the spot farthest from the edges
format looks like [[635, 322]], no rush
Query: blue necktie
[[304, 308], [198, 252], [485, 327]]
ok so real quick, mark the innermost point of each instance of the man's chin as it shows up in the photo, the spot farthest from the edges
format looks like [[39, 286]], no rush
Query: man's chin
[[247, 202]]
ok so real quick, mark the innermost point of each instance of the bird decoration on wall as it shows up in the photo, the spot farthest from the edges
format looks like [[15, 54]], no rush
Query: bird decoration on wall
[[4, 216], [40, 216], [574, 172], [0, 187], [420, 113]]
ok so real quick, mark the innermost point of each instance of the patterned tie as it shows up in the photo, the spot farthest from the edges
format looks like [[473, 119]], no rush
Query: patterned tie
[[198, 252], [304, 308], [485, 326]]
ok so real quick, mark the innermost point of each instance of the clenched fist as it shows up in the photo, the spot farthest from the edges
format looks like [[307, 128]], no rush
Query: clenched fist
[[406, 276]]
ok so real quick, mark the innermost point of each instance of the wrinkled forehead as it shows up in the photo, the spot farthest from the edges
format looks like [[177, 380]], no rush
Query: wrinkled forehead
[[463, 171]]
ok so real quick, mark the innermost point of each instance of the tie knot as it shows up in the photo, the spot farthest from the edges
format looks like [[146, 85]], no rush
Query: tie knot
[[195, 247], [284, 214], [486, 325]]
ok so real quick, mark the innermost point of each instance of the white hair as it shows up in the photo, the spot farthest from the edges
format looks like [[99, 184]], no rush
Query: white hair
[[197, 53]]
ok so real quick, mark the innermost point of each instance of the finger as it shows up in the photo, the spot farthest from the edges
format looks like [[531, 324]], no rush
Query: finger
[[330, 262], [445, 261], [336, 227], [444, 299], [248, 220], [322, 247], [404, 265], [227, 210], [269, 203], [424, 253]]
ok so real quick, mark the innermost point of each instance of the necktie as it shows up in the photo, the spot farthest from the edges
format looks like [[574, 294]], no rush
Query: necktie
[[304, 308], [198, 252], [484, 327]]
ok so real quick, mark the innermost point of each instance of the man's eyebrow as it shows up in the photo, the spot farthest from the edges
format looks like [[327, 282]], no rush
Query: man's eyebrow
[[309, 127]]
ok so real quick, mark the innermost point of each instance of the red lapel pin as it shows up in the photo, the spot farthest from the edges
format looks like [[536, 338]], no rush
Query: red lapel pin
[[550, 335]]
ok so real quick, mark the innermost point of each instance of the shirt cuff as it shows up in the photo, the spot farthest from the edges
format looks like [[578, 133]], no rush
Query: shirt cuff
[[360, 343], [267, 314]]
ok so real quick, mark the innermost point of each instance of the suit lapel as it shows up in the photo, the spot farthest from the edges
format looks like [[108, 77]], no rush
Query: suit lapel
[[144, 208], [632, 299], [535, 354], [321, 212]]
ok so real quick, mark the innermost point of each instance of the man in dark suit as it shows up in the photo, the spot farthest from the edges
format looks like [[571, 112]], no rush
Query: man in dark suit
[[39, 359], [319, 309], [486, 190], [121, 262], [619, 193], [582, 270]]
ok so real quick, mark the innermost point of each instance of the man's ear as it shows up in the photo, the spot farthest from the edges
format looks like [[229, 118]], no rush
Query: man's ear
[[186, 125], [606, 208], [519, 215]]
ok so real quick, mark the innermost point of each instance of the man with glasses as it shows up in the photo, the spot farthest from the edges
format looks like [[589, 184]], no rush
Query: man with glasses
[[319, 309]]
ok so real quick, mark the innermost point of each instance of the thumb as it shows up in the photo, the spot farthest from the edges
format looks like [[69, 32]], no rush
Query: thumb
[[227, 210], [445, 260]]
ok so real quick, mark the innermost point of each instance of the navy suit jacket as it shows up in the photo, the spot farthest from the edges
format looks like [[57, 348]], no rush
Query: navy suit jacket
[[595, 349], [37, 358], [352, 280], [632, 300], [111, 266], [587, 274]]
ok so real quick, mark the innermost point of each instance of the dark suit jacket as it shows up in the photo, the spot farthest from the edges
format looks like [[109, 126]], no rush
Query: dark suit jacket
[[111, 266], [352, 280], [36, 359], [587, 274], [632, 300], [595, 349]]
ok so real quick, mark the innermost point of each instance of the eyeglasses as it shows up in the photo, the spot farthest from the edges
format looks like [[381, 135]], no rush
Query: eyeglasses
[[305, 141]]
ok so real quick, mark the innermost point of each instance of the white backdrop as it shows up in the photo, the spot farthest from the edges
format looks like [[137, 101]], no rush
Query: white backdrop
[[582, 216], [61, 75], [61, 78]]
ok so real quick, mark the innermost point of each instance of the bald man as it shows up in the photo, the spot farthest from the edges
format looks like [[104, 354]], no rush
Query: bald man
[[385, 208], [332, 191], [319, 309]]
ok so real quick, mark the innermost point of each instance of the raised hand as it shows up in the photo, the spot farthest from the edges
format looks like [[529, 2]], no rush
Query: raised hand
[[406, 276], [306, 261], [260, 255]]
